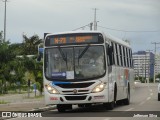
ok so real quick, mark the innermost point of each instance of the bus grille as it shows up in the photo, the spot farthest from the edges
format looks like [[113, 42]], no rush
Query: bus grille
[[75, 97], [76, 85]]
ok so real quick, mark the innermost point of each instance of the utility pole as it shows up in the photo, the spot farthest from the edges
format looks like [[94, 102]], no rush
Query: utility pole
[[5, 11], [95, 21], [155, 43], [91, 24]]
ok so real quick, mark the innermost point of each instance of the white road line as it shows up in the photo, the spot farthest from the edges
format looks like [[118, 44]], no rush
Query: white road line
[[129, 109], [142, 103], [148, 98], [107, 119], [25, 102]]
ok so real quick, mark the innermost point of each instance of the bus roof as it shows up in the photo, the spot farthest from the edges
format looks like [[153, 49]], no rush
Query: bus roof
[[117, 40], [108, 36]]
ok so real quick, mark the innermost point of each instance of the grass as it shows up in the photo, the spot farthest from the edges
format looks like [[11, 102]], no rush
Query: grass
[[3, 102], [34, 97]]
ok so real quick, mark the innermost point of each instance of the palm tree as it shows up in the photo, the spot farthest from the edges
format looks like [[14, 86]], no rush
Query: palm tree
[[30, 47], [30, 44]]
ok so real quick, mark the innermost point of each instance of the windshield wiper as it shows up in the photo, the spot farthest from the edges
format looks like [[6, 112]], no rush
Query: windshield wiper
[[82, 53], [63, 55]]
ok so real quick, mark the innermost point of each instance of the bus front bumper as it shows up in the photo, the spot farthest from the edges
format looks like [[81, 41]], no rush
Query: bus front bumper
[[54, 99]]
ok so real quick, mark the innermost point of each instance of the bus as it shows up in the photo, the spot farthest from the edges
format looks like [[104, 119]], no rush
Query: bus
[[85, 68]]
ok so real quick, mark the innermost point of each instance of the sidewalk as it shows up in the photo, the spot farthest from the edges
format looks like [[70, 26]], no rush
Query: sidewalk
[[21, 102]]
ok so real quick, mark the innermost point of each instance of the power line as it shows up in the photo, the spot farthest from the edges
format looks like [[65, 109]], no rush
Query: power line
[[128, 30], [88, 25]]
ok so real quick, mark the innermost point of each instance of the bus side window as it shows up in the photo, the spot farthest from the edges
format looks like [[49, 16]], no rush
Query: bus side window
[[120, 54], [113, 52], [109, 54], [130, 56], [127, 54], [124, 57], [117, 54]]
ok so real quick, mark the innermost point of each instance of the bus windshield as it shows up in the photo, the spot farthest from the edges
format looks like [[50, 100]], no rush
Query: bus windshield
[[74, 63]]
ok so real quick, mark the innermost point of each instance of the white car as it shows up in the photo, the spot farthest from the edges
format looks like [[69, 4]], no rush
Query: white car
[[159, 92]]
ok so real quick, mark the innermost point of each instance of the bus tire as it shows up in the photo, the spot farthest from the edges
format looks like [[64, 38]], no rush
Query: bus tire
[[119, 102], [63, 107], [127, 100], [111, 105], [158, 96]]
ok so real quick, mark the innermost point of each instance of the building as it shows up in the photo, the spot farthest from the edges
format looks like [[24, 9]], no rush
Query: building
[[143, 64], [157, 64]]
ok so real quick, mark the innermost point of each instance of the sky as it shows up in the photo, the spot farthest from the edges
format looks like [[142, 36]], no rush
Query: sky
[[139, 18]]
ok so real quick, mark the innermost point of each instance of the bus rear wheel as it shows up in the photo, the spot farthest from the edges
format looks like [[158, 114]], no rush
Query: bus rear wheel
[[127, 100], [63, 107]]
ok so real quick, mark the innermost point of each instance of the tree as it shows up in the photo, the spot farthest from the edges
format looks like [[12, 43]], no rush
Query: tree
[[35, 69], [10, 63], [1, 37], [30, 44], [30, 47], [6, 56]]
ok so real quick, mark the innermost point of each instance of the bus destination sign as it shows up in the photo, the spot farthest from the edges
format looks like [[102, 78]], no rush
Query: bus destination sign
[[72, 39]]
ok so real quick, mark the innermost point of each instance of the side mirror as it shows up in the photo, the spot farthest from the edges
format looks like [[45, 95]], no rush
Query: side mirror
[[39, 57]]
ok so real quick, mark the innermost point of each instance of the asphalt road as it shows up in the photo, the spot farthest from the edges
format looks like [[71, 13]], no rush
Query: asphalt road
[[144, 103]]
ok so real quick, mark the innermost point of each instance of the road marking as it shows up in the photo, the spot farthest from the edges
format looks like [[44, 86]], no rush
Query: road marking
[[107, 119], [151, 90], [25, 102], [129, 109], [148, 98], [151, 93], [142, 103]]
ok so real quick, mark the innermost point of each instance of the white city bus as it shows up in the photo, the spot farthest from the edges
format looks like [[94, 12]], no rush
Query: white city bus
[[86, 67]]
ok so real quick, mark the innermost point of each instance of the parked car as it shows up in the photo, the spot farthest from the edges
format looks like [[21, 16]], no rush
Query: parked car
[[159, 92]]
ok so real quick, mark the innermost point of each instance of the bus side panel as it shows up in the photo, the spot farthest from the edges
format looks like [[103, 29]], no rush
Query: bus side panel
[[120, 83], [111, 74]]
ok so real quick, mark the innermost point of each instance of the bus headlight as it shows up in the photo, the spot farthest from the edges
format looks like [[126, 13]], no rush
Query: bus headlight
[[99, 88], [51, 89]]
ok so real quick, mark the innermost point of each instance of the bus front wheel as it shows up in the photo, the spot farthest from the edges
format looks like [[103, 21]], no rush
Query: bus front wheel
[[111, 105]]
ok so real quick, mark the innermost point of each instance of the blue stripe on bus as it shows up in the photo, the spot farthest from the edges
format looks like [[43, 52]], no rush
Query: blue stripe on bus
[[56, 83]]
